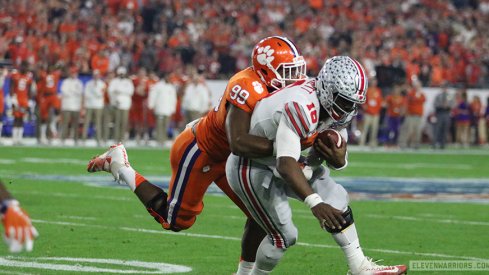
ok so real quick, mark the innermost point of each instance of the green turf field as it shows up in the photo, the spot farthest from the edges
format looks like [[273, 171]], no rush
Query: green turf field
[[79, 219]]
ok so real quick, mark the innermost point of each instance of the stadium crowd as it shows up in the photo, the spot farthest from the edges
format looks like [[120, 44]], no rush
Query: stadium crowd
[[184, 42]]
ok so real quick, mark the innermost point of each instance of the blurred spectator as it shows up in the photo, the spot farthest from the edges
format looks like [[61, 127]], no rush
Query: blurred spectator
[[137, 113], [94, 105], [196, 98], [462, 119], [3, 76], [20, 91], [411, 127], [486, 119], [476, 122], [371, 117], [443, 105], [162, 102], [396, 109], [47, 90], [108, 113], [101, 62], [440, 40], [71, 103], [120, 91]]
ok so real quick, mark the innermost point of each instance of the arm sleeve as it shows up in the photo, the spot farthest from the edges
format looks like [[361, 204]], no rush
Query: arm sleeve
[[288, 143]]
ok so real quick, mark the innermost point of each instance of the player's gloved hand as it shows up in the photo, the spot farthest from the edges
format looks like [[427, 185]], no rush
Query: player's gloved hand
[[334, 156], [19, 233], [327, 215]]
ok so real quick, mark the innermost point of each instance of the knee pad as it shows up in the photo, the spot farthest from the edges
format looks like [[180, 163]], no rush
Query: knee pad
[[348, 216], [290, 236]]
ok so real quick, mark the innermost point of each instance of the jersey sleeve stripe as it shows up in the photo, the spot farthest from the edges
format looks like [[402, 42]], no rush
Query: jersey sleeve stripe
[[293, 121], [302, 117]]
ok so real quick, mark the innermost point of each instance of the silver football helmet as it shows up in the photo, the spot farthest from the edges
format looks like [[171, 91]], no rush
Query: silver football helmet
[[341, 86]]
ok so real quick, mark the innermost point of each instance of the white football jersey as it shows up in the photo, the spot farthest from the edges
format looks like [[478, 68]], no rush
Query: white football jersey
[[297, 102]]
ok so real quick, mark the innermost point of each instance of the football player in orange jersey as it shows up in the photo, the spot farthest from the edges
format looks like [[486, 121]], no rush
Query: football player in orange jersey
[[137, 114], [20, 89], [48, 99], [198, 156]]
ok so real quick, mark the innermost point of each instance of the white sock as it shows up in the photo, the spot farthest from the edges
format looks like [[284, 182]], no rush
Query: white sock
[[350, 244], [21, 133], [245, 268], [43, 129], [15, 135], [128, 176], [52, 127]]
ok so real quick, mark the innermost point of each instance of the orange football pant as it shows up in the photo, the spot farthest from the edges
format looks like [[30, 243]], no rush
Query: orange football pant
[[192, 173]]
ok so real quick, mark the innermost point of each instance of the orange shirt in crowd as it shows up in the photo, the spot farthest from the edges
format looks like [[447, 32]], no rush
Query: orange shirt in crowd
[[374, 101], [396, 105], [100, 63], [415, 102]]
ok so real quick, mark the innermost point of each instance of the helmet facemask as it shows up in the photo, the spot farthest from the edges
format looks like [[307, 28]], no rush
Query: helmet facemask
[[342, 109], [287, 73]]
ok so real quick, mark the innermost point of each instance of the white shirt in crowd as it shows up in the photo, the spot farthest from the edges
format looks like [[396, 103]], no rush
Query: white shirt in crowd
[[71, 94], [94, 94], [162, 98], [120, 93], [196, 97]]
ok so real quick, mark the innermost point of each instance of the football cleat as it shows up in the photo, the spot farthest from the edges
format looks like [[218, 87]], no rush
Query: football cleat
[[369, 267], [110, 161]]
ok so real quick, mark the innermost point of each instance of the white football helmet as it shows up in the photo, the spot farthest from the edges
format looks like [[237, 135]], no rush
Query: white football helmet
[[341, 85]]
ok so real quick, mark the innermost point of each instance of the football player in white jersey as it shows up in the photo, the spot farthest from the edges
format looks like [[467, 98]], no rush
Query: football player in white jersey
[[286, 117]]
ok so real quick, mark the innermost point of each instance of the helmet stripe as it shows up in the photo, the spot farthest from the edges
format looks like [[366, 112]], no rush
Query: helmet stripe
[[290, 44], [363, 77]]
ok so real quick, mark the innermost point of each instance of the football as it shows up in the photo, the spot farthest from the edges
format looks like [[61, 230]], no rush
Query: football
[[331, 137]]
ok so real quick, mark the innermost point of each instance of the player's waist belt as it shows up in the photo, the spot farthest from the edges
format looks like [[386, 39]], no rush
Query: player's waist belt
[[48, 94]]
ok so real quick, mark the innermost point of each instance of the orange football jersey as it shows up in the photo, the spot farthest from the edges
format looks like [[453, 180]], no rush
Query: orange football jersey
[[21, 84], [244, 90], [48, 84]]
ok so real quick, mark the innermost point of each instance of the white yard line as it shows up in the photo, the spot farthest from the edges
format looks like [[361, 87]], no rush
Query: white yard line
[[412, 218], [66, 195], [418, 165], [195, 235], [15, 272], [143, 267]]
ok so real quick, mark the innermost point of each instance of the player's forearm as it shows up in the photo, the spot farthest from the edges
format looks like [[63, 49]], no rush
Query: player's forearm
[[4, 194], [250, 146], [292, 174]]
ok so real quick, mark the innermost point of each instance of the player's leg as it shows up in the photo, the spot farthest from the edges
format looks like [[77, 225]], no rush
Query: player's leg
[[347, 238], [267, 202], [44, 114], [86, 122], [115, 161], [192, 173], [18, 129], [253, 233]]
